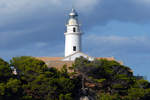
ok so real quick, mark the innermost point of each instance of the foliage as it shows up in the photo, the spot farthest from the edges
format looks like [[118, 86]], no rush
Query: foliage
[[105, 80], [112, 80], [105, 96], [10, 87], [5, 71], [42, 83]]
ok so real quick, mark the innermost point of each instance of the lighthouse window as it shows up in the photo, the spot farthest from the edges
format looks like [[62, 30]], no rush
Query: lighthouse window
[[74, 29], [74, 48]]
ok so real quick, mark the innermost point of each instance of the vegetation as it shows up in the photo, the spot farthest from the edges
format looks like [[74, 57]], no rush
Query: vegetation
[[105, 80]]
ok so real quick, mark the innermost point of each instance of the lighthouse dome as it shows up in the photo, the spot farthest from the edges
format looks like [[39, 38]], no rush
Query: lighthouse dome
[[72, 21]]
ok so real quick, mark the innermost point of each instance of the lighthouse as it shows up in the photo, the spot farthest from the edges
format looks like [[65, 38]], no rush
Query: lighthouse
[[73, 45], [72, 34]]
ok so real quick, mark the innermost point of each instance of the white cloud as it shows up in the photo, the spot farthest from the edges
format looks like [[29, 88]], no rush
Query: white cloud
[[14, 6], [117, 39], [16, 13], [144, 1], [86, 5], [18, 10], [118, 44], [41, 44]]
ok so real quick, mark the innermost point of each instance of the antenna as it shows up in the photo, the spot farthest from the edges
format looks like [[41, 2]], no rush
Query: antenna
[[72, 4], [68, 10]]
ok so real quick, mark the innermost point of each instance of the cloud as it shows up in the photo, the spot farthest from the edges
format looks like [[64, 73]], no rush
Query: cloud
[[116, 45], [26, 22], [41, 44], [86, 5], [23, 20], [118, 10], [118, 40], [142, 1]]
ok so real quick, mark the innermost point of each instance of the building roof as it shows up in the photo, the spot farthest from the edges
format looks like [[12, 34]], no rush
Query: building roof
[[58, 63], [45, 59], [73, 12], [55, 62], [49, 59], [107, 58]]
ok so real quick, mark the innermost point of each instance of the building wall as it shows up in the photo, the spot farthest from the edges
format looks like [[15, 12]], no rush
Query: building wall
[[72, 40], [77, 55]]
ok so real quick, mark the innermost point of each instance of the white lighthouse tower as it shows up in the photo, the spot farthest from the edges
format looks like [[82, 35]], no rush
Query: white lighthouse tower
[[73, 39], [72, 35]]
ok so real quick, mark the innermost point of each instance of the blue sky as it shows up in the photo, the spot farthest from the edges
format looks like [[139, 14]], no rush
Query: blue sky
[[118, 28]]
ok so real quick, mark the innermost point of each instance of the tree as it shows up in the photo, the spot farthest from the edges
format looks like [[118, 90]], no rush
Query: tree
[[110, 78], [10, 87], [105, 96], [103, 79], [42, 83], [5, 71]]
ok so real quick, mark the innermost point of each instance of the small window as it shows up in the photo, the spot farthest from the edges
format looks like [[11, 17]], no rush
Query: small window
[[74, 48], [74, 29]]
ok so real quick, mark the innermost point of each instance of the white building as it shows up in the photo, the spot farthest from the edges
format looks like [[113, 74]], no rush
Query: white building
[[72, 35], [73, 39]]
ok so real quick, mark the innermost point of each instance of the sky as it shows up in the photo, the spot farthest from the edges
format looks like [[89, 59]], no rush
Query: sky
[[112, 28]]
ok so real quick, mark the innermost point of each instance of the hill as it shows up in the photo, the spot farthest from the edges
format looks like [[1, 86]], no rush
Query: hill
[[98, 80]]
